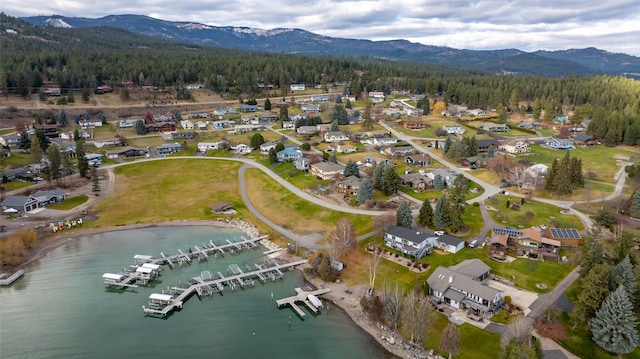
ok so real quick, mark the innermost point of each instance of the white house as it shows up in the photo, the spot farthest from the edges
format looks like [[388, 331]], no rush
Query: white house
[[335, 136], [288, 125], [449, 243], [559, 144], [289, 155], [454, 130], [241, 148], [409, 241], [266, 147], [206, 146], [383, 141], [515, 147], [297, 87], [85, 124], [310, 108], [187, 125], [326, 170]]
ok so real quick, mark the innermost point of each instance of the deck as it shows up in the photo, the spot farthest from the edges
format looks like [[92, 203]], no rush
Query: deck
[[302, 296]]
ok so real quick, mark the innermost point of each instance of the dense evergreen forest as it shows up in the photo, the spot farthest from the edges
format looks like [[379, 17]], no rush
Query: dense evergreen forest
[[90, 57]]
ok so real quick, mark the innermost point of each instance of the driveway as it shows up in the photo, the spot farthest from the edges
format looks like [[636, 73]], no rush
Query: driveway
[[521, 298]]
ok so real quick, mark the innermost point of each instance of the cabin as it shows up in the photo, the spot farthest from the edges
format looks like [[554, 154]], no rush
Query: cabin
[[413, 243]]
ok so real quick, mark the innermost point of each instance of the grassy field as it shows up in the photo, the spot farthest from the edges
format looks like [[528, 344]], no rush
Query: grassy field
[[159, 191], [597, 159], [289, 211], [70, 203], [542, 214], [474, 342]]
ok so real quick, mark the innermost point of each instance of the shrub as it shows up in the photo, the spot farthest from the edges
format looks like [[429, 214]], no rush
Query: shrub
[[529, 214], [476, 204], [507, 299]]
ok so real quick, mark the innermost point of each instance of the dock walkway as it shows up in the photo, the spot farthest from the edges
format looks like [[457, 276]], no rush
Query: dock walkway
[[216, 285], [302, 296], [14, 277]]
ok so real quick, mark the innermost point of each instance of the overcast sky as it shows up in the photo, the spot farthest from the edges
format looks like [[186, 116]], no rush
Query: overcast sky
[[612, 25]]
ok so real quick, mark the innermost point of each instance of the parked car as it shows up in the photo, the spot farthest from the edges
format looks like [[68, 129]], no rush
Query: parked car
[[439, 233], [504, 192], [473, 244]]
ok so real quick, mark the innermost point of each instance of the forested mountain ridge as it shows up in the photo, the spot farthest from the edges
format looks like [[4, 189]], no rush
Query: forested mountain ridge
[[540, 63]]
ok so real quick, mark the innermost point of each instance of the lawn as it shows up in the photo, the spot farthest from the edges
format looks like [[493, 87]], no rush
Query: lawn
[[17, 159], [159, 191], [13, 185], [146, 141], [289, 211], [593, 191], [599, 160], [542, 214], [474, 342], [70, 203], [429, 132], [487, 176]]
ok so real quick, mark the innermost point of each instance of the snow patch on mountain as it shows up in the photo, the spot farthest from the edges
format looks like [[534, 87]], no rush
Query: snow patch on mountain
[[260, 32], [193, 26], [58, 23]]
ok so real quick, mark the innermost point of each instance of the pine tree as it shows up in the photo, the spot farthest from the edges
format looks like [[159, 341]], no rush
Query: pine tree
[[267, 104], [83, 164], [378, 176], [447, 145], [95, 188], [440, 220], [634, 210], [491, 152], [624, 275], [141, 129], [273, 156], [333, 158], [594, 289], [425, 217], [25, 141], [404, 218], [438, 182], [256, 140], [552, 173], [365, 192], [390, 181], [613, 327], [577, 178], [334, 126], [284, 114], [591, 252], [351, 169]]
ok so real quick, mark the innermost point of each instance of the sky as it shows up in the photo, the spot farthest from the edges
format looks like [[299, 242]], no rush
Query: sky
[[528, 25]]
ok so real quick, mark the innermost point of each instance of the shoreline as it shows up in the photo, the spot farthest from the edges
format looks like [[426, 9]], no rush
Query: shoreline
[[348, 301]]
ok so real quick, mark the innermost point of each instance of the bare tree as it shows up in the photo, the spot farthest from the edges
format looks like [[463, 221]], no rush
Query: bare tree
[[450, 341], [501, 165], [520, 328], [415, 312], [343, 237], [588, 193], [517, 175], [392, 301], [384, 221], [374, 262]]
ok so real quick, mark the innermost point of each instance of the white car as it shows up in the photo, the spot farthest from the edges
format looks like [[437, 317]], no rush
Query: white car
[[439, 233], [473, 244]]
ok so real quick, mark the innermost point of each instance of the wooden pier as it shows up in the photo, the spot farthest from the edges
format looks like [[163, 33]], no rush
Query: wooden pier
[[202, 286], [304, 297], [136, 275], [9, 281]]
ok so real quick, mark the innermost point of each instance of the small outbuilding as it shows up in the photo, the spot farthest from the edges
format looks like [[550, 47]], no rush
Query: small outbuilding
[[222, 208]]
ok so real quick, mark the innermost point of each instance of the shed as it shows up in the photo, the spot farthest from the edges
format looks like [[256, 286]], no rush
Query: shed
[[222, 208]]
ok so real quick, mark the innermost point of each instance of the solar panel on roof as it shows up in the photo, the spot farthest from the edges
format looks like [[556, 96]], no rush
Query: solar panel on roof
[[509, 232], [564, 233]]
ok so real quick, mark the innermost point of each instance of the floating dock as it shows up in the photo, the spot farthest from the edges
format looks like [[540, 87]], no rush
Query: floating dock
[[308, 297], [148, 268], [206, 284], [9, 281]]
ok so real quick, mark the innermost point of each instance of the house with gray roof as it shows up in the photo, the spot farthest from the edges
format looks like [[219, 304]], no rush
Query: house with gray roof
[[449, 243], [45, 198], [409, 241], [21, 204], [326, 170], [464, 286]]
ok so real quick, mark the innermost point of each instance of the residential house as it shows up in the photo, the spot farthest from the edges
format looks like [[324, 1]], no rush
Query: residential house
[[475, 112], [568, 237], [94, 159], [320, 98], [534, 177], [301, 164], [464, 287], [418, 160], [241, 148], [269, 117], [416, 181], [399, 151], [22, 204], [50, 131], [297, 87], [409, 241], [561, 119], [206, 146], [187, 125], [201, 125], [168, 148], [380, 141], [182, 135], [454, 130], [11, 140], [346, 148], [447, 176], [288, 125], [415, 112], [559, 143], [198, 115], [528, 243], [248, 108], [495, 127], [86, 124], [65, 146], [127, 123], [306, 130], [266, 147], [515, 146], [45, 198], [225, 111], [414, 125], [219, 125], [310, 108], [289, 155], [298, 116], [335, 136], [240, 129], [449, 243], [324, 127], [372, 161], [376, 94], [349, 185], [161, 126], [482, 146], [250, 120], [498, 247], [126, 152], [529, 125], [13, 174], [326, 170], [474, 162], [584, 140]]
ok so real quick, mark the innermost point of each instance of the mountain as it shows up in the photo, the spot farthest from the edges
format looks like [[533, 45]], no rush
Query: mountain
[[588, 61]]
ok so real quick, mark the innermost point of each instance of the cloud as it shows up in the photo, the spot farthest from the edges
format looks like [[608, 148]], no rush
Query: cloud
[[479, 24]]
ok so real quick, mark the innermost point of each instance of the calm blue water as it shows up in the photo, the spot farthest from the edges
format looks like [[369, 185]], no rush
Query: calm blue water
[[61, 308]]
